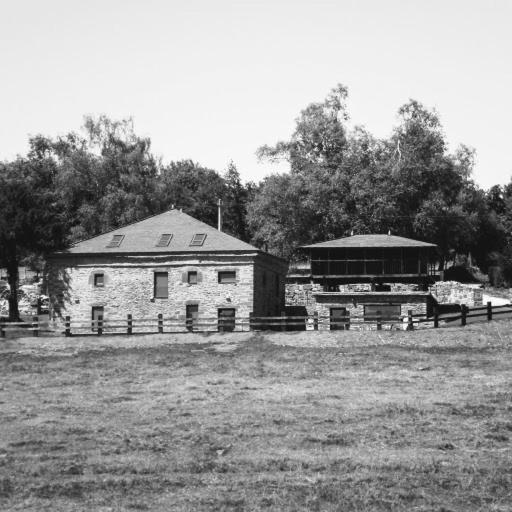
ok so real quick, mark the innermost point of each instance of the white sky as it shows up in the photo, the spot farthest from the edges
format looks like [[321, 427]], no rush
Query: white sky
[[214, 80]]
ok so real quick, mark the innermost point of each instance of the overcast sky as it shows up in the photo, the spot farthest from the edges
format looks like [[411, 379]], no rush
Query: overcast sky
[[214, 80]]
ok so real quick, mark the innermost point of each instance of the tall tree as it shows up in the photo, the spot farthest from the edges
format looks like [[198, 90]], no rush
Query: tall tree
[[32, 217]]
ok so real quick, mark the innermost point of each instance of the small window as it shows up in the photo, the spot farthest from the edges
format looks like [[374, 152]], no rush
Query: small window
[[164, 240], [227, 276], [99, 280], [116, 241], [384, 311], [161, 285], [198, 240], [192, 277]]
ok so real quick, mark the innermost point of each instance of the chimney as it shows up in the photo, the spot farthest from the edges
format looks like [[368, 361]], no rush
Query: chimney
[[219, 215]]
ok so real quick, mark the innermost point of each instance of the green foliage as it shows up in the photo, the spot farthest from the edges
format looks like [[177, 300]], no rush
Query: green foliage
[[345, 180], [32, 216]]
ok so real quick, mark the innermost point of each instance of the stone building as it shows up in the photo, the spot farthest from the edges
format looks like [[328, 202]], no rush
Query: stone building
[[362, 277], [169, 264]]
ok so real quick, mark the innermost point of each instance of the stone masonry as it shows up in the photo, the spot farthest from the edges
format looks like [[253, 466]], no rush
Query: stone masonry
[[453, 292], [128, 286]]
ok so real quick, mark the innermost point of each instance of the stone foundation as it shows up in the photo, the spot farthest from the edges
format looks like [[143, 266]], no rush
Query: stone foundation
[[453, 292]]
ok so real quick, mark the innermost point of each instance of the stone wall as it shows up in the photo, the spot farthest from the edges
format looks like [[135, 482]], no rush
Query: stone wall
[[354, 304], [128, 286], [297, 294], [453, 292]]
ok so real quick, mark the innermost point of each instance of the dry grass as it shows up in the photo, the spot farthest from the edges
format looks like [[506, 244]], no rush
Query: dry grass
[[310, 421]]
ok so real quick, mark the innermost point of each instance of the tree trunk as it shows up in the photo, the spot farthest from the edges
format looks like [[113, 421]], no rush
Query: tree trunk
[[12, 279]]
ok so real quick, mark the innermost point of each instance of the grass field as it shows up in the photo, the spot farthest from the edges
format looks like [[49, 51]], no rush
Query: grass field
[[314, 421]]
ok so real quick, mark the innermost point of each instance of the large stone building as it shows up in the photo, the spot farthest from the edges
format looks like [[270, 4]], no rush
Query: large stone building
[[169, 264], [363, 277]]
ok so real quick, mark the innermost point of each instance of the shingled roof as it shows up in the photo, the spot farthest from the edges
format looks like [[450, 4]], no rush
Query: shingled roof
[[361, 241], [145, 236]]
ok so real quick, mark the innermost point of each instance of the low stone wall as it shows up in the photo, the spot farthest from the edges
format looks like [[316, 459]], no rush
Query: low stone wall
[[302, 295], [453, 292]]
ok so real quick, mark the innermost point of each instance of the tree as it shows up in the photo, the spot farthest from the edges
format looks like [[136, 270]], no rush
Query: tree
[[32, 218]]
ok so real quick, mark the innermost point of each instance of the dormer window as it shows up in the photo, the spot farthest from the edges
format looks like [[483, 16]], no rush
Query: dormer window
[[197, 240], [116, 241], [164, 240]]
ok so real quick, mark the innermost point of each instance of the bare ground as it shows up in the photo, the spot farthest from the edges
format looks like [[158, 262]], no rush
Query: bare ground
[[340, 421]]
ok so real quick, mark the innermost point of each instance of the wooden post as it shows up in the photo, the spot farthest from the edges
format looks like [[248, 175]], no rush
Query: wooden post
[[283, 321], [130, 324], [100, 325], [35, 325], [347, 321], [410, 325], [315, 321], [463, 314], [160, 323], [2, 331], [489, 311], [436, 317], [379, 323], [68, 326]]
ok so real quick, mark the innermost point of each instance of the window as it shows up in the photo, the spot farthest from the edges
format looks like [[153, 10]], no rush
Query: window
[[192, 315], [161, 285], [227, 276], [226, 319], [192, 277], [116, 241], [385, 311], [198, 240], [99, 280], [164, 240]]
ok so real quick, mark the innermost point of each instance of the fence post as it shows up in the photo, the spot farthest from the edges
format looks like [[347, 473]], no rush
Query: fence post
[[410, 325], [436, 317], [35, 325], [68, 326], [2, 331], [379, 323], [315, 321], [130, 324], [283, 321], [100, 325], [463, 313], [160, 323], [347, 321], [489, 311]]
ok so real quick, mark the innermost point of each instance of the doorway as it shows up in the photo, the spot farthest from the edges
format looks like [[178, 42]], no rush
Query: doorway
[[226, 319], [97, 311], [338, 319], [192, 315]]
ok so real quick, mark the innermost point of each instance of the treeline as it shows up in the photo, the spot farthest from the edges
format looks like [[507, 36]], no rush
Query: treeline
[[341, 180]]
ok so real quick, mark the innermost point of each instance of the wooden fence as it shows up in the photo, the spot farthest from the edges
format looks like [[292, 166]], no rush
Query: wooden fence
[[160, 324]]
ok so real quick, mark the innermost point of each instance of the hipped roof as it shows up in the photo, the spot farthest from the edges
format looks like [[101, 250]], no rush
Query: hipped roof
[[143, 236], [369, 241]]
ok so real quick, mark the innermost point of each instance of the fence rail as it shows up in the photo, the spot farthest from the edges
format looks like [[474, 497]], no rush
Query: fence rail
[[160, 324]]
